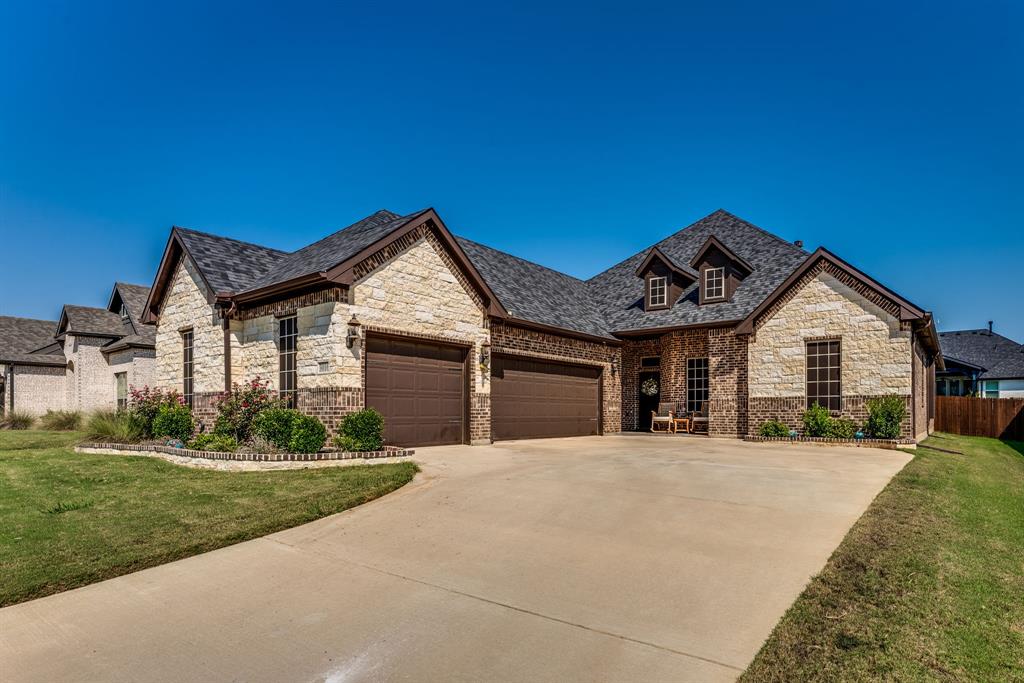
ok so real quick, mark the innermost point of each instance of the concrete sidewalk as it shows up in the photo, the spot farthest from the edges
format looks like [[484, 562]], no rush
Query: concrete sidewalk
[[613, 559]]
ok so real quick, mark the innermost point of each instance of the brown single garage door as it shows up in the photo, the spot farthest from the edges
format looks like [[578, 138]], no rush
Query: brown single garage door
[[533, 399], [420, 388]]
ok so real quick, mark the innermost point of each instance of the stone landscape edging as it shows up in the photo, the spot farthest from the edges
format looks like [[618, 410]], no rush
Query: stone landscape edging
[[249, 461]]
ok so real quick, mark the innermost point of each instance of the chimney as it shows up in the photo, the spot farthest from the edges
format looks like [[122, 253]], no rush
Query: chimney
[[799, 243], [990, 327]]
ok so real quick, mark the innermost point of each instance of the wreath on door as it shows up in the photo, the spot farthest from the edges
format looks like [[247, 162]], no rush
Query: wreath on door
[[649, 387]]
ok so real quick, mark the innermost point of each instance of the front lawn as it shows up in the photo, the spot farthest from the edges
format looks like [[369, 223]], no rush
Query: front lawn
[[68, 519], [928, 584]]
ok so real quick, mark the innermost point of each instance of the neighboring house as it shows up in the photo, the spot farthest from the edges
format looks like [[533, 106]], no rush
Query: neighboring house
[[455, 342], [85, 361], [980, 363]]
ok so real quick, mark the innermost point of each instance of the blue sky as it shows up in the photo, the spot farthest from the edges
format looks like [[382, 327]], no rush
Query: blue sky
[[572, 135]]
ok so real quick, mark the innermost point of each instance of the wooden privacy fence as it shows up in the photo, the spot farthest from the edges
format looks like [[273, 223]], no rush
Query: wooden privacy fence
[[1001, 418]]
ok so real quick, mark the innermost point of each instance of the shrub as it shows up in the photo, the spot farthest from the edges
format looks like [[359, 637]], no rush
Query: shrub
[[61, 420], [274, 425], [308, 434], [817, 421], [237, 408], [175, 422], [108, 426], [773, 428], [841, 428], [16, 419], [885, 417], [213, 442], [361, 431], [145, 404]]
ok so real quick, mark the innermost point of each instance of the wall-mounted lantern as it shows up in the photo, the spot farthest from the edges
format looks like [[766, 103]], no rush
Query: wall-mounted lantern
[[352, 338], [615, 366], [485, 355]]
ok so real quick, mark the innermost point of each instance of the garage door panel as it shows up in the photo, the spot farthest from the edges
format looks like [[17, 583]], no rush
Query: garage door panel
[[535, 399], [419, 387]]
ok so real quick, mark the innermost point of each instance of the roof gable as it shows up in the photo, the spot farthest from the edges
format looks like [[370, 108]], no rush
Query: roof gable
[[656, 254]]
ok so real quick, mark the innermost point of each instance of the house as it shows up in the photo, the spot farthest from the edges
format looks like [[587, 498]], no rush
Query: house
[[86, 360], [980, 363], [456, 342]]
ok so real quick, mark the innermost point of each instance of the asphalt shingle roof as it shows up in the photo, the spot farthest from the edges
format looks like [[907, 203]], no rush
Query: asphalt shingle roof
[[333, 249], [229, 265], [620, 292], [609, 302], [1002, 358], [89, 320], [532, 292], [21, 335]]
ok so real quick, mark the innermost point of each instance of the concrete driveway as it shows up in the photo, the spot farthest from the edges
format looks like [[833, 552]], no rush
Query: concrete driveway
[[630, 558]]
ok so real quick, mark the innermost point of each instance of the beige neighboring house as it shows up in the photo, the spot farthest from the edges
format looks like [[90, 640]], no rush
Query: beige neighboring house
[[87, 360], [456, 342]]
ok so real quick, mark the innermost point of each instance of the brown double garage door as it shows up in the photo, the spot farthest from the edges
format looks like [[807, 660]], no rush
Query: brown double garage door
[[421, 388]]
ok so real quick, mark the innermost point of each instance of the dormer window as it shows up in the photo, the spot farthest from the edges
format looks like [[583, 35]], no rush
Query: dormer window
[[124, 313], [658, 291], [714, 283]]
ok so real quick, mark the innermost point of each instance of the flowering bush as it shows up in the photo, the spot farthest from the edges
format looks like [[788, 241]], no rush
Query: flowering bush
[[144, 404], [237, 408]]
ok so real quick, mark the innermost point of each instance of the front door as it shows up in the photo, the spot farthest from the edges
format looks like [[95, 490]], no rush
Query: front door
[[650, 392]]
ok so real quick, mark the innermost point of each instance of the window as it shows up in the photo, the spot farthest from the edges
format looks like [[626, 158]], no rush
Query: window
[[650, 362], [121, 388], [714, 283], [991, 389], [186, 365], [124, 313], [696, 383], [287, 335], [658, 291], [823, 361]]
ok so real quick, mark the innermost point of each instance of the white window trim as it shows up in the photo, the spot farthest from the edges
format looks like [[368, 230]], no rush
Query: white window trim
[[664, 291], [707, 286]]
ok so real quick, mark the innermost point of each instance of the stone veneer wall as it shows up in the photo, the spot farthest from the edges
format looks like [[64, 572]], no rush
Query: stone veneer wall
[[409, 288], [188, 305], [875, 352], [510, 339]]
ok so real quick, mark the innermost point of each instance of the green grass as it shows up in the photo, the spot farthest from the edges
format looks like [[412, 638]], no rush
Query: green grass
[[68, 519], [927, 585]]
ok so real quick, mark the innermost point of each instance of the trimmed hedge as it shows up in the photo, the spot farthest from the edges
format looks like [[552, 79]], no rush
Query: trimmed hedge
[[308, 434], [361, 431], [174, 421]]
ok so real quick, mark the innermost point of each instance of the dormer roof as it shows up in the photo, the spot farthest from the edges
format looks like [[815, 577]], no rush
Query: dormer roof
[[713, 242], [656, 254]]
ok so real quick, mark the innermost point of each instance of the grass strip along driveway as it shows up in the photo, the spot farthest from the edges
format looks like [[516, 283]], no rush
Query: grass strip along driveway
[[927, 585], [68, 519]]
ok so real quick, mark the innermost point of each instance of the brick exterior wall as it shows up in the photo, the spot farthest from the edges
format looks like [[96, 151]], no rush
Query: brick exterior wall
[[514, 340], [632, 351], [727, 369], [790, 409], [36, 389]]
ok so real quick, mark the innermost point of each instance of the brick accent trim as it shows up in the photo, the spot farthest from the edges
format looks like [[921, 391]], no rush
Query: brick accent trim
[[289, 306], [326, 454]]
